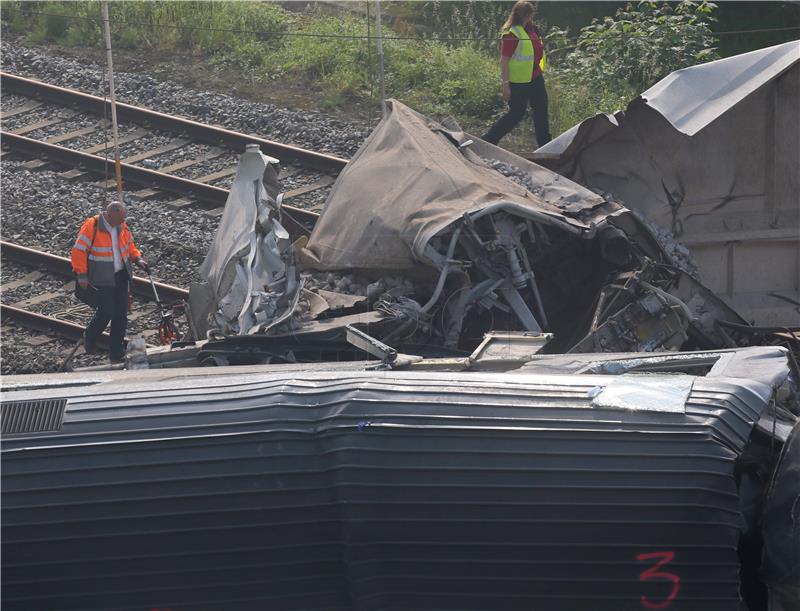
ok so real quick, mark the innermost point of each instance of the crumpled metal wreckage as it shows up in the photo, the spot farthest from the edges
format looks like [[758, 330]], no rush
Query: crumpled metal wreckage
[[249, 271], [430, 239], [710, 153]]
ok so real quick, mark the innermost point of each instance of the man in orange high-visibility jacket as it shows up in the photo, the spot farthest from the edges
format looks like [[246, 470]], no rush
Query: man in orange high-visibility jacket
[[102, 256]]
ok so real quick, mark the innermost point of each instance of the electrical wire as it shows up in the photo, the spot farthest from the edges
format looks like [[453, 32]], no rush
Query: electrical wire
[[362, 36]]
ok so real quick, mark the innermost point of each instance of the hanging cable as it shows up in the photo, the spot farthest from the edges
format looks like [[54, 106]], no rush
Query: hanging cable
[[289, 34]]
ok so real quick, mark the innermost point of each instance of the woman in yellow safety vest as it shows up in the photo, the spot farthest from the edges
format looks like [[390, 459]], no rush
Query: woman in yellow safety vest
[[521, 64]]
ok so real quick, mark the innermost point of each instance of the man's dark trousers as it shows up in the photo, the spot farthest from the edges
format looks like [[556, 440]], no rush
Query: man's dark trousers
[[522, 94], [112, 305]]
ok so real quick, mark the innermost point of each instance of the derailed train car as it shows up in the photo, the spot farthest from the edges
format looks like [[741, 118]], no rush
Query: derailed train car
[[603, 482]]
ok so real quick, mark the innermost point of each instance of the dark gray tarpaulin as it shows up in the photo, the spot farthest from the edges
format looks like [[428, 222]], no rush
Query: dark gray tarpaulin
[[712, 153], [344, 489], [413, 178]]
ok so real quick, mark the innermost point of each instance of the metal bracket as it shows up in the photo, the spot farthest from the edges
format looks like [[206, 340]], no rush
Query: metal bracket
[[369, 344]]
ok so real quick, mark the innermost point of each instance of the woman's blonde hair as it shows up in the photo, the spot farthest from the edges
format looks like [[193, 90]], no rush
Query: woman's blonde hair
[[519, 12]]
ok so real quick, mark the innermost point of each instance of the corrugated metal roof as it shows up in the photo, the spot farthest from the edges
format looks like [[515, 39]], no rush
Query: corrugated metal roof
[[377, 490]]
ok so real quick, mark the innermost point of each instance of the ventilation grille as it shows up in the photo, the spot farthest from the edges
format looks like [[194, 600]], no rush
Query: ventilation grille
[[33, 416]]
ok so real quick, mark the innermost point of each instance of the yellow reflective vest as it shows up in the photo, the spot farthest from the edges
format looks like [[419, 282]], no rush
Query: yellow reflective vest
[[520, 64]]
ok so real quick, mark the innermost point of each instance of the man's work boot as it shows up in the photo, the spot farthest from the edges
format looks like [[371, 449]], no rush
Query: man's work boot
[[116, 359], [89, 347]]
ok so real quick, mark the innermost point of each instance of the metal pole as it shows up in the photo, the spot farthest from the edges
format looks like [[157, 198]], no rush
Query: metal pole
[[380, 54], [112, 96]]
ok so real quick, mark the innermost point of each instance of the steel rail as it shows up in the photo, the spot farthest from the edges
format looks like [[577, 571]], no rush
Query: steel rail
[[32, 320], [94, 163], [61, 265], [299, 221], [201, 131]]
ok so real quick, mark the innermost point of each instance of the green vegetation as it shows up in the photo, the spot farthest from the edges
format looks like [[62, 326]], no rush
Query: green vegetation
[[610, 61], [618, 57]]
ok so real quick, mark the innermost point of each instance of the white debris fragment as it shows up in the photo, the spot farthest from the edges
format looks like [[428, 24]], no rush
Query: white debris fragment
[[136, 354], [250, 267]]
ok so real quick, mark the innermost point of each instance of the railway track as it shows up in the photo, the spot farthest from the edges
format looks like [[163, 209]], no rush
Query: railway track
[[61, 96], [55, 125], [172, 164], [61, 266]]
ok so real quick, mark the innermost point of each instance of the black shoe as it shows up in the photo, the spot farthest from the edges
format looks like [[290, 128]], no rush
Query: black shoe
[[115, 360], [89, 347]]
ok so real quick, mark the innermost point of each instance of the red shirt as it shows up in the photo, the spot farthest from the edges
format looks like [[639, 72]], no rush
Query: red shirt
[[509, 45]]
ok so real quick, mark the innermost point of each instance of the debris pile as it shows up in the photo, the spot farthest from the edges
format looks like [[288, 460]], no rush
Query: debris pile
[[465, 241], [677, 252], [432, 241]]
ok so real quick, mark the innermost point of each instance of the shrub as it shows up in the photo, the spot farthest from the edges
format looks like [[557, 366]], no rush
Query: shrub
[[640, 46]]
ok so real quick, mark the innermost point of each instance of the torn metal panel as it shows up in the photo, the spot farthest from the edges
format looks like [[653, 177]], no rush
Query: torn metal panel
[[692, 98], [504, 350], [710, 153], [249, 270], [298, 341], [660, 393]]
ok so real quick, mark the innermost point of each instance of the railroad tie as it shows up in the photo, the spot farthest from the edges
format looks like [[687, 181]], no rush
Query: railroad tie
[[26, 279], [26, 129], [135, 135], [319, 184], [84, 131], [179, 203], [38, 340], [26, 107], [175, 144]]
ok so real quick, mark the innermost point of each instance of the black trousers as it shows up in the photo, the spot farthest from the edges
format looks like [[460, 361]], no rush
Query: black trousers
[[112, 305], [523, 94]]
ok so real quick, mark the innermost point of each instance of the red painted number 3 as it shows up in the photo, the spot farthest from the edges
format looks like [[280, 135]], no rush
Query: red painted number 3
[[653, 572]]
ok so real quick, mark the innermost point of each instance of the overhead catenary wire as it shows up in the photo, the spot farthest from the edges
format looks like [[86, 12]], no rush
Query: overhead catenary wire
[[295, 34], [369, 37]]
